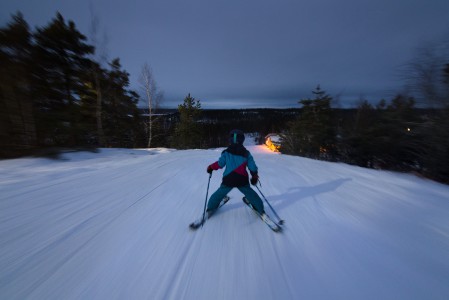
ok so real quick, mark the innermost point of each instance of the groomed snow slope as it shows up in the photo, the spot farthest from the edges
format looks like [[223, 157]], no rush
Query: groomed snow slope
[[114, 225]]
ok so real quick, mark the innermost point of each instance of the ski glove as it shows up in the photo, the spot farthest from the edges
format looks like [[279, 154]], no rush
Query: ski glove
[[254, 178], [209, 169]]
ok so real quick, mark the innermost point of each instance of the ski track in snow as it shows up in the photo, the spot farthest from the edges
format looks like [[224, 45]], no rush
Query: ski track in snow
[[114, 225]]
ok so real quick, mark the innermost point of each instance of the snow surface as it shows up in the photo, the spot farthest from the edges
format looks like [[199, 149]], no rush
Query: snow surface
[[114, 225]]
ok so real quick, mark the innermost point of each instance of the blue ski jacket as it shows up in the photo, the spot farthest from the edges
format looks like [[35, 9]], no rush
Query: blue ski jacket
[[236, 158]]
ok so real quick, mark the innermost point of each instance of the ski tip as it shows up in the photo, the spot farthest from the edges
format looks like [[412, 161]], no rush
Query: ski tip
[[196, 224], [193, 226], [277, 228], [281, 222]]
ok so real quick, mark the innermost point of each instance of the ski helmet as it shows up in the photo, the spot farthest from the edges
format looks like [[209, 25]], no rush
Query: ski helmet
[[236, 136]]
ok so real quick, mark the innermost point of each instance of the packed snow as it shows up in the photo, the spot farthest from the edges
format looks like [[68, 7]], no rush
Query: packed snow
[[114, 225]]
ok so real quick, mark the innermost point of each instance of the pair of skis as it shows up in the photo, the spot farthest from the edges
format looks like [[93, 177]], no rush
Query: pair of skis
[[276, 227]]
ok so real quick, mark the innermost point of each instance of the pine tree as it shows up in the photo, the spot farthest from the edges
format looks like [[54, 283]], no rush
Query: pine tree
[[188, 132], [91, 106], [313, 133], [17, 124], [357, 142], [435, 136], [62, 68], [121, 119], [385, 136]]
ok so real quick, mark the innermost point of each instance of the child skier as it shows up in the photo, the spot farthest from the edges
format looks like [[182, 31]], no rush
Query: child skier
[[236, 158]]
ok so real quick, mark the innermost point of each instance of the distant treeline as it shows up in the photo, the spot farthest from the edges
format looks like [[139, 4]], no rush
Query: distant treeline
[[211, 127], [394, 136]]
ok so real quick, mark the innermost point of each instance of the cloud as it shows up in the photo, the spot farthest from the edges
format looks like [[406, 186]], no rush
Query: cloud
[[260, 51]]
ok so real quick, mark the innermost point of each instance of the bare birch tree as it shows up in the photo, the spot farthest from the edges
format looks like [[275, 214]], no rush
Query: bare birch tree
[[153, 97]]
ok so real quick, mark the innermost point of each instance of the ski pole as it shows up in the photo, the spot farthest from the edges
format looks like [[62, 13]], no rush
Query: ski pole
[[281, 222], [205, 202]]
